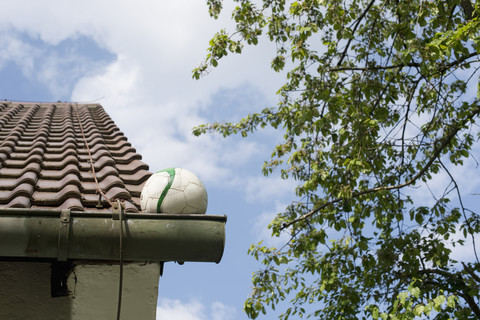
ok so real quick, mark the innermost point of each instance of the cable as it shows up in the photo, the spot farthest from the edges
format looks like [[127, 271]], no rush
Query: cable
[[121, 215], [91, 160], [120, 281]]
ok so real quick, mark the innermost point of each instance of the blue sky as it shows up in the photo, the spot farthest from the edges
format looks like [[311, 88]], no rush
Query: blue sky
[[136, 58]]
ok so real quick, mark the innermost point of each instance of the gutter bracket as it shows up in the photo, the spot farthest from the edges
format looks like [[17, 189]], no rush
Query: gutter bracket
[[63, 233], [118, 212]]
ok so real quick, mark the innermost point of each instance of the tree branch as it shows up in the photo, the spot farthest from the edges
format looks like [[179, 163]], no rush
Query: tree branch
[[441, 67], [438, 149], [364, 13], [471, 303], [471, 272], [375, 68], [459, 195], [464, 288], [467, 8]]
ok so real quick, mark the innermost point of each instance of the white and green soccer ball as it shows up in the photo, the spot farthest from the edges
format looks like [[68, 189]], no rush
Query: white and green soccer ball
[[175, 191]]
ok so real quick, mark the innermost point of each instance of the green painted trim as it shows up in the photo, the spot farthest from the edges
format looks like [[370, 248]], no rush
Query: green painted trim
[[171, 173], [26, 233]]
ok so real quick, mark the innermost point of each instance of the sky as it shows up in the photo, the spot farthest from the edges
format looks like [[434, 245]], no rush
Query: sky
[[136, 58]]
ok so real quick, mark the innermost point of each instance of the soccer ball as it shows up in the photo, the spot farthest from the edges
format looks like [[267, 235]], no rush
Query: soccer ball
[[175, 191]]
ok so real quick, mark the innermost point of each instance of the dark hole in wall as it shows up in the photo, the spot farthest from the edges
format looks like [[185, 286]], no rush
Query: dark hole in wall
[[59, 276]]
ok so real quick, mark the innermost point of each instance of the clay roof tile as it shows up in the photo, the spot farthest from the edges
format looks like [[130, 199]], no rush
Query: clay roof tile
[[44, 161]]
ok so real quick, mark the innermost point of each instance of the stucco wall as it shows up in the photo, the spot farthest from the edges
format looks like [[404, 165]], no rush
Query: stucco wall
[[96, 291], [25, 292]]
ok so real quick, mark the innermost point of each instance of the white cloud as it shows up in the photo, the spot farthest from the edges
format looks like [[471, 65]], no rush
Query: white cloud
[[264, 189], [194, 310], [219, 311], [116, 86], [175, 310], [21, 53]]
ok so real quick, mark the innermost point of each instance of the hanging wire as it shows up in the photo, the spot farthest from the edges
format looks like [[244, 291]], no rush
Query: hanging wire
[[120, 281], [120, 210], [91, 160]]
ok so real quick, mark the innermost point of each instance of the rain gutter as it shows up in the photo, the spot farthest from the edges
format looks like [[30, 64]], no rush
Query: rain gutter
[[65, 234]]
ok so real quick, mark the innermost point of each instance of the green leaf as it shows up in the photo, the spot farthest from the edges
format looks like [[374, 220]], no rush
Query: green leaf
[[415, 291], [418, 310], [451, 301]]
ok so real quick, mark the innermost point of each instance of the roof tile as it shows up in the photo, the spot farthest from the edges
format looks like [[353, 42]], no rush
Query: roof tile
[[57, 185], [56, 198], [10, 183], [19, 202], [6, 172], [107, 183], [58, 165], [24, 189], [57, 174], [44, 161]]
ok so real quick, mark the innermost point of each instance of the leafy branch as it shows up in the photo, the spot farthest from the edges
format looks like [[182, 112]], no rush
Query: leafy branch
[[439, 147], [376, 94]]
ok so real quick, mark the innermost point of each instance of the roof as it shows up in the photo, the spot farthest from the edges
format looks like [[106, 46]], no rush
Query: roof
[[45, 163]]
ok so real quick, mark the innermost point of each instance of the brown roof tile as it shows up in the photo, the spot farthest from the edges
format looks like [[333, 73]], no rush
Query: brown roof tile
[[135, 190], [56, 198], [99, 164], [23, 189], [44, 162], [19, 202], [137, 178], [10, 183], [58, 165], [127, 158], [57, 185], [132, 167], [60, 173], [15, 163], [25, 153], [7, 172], [107, 183]]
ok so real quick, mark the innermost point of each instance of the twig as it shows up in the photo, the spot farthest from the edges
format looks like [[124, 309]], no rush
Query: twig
[[471, 272], [463, 209], [364, 13]]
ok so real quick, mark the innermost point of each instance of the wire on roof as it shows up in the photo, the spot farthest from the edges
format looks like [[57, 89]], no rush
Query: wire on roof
[[91, 160], [121, 217]]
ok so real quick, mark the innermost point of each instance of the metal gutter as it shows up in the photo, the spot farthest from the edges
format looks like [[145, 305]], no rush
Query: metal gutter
[[65, 234]]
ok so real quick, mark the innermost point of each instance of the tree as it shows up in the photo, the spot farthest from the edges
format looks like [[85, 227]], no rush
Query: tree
[[376, 104]]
